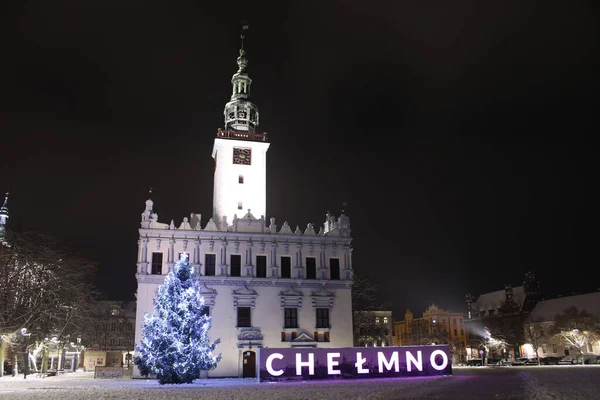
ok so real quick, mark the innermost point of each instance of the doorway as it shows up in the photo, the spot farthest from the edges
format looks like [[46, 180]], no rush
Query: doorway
[[249, 364]]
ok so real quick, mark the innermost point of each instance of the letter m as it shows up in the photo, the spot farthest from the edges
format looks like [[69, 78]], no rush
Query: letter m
[[388, 364]]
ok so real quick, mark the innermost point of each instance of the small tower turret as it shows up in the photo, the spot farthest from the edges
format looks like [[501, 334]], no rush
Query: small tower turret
[[3, 218], [240, 113]]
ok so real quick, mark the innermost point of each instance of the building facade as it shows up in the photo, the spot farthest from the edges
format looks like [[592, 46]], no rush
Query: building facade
[[264, 285], [495, 320], [109, 342], [541, 339], [373, 328], [437, 326]]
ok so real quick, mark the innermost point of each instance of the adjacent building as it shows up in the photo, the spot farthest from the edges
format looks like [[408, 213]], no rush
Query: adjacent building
[[110, 339], [265, 285], [539, 324], [437, 326], [495, 320], [373, 328]]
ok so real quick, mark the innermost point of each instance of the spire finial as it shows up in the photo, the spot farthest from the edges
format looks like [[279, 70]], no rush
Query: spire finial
[[150, 190], [242, 61]]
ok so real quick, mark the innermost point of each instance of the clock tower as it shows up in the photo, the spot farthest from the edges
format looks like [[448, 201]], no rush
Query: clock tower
[[240, 154]]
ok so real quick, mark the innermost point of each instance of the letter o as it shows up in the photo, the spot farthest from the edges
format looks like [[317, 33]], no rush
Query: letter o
[[432, 360]]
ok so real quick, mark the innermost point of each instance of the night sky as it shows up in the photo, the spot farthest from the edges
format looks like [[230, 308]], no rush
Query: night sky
[[458, 133]]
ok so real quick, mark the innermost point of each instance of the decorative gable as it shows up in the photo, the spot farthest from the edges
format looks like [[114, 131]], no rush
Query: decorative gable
[[211, 226], [322, 299], [244, 297], [304, 338], [209, 295], [291, 298], [285, 229]]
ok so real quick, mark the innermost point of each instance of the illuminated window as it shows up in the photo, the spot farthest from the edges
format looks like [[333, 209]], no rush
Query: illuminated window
[[239, 205], [241, 179], [385, 320]]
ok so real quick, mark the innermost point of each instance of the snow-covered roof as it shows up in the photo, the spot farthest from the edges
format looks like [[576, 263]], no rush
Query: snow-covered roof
[[489, 302], [547, 309]]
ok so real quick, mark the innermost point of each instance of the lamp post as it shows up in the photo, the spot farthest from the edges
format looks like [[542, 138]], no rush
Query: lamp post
[[26, 354]]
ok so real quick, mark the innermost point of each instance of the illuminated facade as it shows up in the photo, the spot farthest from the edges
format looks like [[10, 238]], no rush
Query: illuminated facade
[[264, 285], [539, 323], [437, 326], [499, 316]]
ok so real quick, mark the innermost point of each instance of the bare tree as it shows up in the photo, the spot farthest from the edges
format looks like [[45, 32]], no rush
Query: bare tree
[[364, 304], [534, 333], [576, 328], [44, 291]]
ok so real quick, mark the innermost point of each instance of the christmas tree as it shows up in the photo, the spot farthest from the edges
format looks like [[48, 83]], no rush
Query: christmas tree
[[175, 344]]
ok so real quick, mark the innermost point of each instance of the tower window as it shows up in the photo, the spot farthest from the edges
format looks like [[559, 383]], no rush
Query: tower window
[[241, 179], [239, 205]]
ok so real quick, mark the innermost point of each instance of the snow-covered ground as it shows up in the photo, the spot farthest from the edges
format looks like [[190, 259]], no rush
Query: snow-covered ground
[[466, 383]]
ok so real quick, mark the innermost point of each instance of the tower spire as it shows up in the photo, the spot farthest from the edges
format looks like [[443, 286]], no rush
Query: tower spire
[[241, 115]]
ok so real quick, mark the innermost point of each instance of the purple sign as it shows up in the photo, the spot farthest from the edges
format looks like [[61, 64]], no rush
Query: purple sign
[[352, 362]]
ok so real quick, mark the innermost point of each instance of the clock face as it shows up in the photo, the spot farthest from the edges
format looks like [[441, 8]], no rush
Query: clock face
[[241, 156]]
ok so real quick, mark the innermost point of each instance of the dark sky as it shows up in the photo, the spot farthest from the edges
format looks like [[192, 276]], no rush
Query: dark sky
[[458, 132]]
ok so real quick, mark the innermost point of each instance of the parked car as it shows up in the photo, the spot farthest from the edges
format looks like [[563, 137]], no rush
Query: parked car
[[532, 361], [567, 360], [550, 360], [592, 359], [519, 361], [474, 362]]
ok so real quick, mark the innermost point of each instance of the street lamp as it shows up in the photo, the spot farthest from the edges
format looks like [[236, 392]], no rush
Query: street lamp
[[26, 354]]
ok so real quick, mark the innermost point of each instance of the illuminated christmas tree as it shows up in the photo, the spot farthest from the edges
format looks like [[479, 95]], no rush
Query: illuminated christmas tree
[[175, 345]]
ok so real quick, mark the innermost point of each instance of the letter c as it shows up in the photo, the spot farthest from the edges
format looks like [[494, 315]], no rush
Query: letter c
[[269, 364]]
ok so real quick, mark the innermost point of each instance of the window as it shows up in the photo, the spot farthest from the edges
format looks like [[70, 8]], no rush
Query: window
[[157, 263], [385, 320], [241, 179], [334, 268], [286, 267], [205, 311], [209, 264], [311, 268], [236, 265], [261, 266], [243, 317], [240, 205], [291, 318], [455, 332], [322, 317], [185, 255]]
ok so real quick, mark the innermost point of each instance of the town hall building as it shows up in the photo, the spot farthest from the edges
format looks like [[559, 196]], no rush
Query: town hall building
[[265, 285]]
